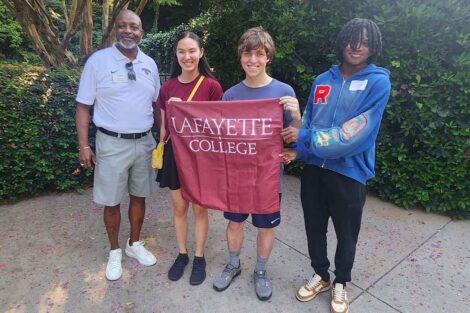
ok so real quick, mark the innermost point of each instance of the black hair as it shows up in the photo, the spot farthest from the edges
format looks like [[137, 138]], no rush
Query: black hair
[[203, 66], [352, 34]]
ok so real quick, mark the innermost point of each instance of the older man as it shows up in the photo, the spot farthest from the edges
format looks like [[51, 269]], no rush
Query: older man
[[122, 83]]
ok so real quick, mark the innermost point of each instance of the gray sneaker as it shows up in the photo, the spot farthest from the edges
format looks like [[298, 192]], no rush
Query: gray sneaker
[[224, 278], [263, 287]]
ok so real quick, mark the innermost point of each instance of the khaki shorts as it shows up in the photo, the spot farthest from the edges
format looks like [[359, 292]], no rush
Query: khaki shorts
[[123, 166]]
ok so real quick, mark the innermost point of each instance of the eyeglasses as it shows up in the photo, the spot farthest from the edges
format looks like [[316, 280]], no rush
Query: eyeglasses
[[130, 71]]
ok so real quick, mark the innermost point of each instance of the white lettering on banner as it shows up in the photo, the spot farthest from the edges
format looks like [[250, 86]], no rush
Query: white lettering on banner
[[239, 129], [228, 147], [248, 126]]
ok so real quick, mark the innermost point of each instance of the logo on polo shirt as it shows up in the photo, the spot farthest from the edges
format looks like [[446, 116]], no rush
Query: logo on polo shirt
[[146, 70]]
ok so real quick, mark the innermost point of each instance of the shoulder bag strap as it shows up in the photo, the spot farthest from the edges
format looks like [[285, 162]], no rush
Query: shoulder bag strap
[[191, 95], [193, 92]]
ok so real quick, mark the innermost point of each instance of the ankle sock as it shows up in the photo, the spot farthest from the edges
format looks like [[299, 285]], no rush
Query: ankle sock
[[184, 255], [234, 259], [260, 264]]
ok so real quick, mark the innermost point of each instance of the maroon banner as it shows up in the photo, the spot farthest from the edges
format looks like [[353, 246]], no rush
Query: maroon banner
[[227, 153]]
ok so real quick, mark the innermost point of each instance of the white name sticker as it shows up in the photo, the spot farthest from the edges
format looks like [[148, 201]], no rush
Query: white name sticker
[[120, 78], [358, 85]]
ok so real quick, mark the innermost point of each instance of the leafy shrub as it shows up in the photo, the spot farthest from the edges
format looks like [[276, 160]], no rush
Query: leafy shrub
[[160, 46], [12, 38], [423, 149], [37, 131]]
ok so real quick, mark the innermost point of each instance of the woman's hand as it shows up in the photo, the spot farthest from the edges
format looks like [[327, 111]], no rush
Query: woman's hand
[[174, 99]]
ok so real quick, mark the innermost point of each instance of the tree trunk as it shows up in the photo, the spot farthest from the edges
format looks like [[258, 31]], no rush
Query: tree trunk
[[66, 14], [155, 20], [33, 35], [86, 37], [35, 20], [109, 36], [53, 50], [105, 17], [37, 24], [140, 7], [74, 18]]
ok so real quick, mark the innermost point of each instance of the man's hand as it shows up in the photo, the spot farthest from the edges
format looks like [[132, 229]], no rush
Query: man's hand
[[86, 157], [288, 155], [291, 104], [290, 134]]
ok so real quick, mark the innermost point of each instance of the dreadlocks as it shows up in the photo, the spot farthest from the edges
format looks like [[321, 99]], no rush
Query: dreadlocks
[[352, 34]]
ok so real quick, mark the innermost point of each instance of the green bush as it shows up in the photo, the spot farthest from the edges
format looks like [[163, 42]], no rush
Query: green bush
[[423, 149], [160, 46], [37, 131], [13, 43]]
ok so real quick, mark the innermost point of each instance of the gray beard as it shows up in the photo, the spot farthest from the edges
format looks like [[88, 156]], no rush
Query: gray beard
[[125, 46]]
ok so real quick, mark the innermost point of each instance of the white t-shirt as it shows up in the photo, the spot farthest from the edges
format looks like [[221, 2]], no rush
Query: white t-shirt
[[121, 105]]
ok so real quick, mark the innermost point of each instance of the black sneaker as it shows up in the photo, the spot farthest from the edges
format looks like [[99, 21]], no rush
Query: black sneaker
[[177, 269], [198, 274]]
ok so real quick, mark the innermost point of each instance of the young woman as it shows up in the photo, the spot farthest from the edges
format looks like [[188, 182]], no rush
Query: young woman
[[189, 64]]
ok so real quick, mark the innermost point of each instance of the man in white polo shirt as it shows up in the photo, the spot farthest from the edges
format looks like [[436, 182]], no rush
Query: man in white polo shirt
[[122, 83]]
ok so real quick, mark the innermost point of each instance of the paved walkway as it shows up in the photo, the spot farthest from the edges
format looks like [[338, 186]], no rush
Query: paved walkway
[[53, 251]]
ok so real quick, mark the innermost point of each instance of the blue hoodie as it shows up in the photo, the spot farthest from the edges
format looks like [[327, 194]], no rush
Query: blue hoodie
[[342, 119]]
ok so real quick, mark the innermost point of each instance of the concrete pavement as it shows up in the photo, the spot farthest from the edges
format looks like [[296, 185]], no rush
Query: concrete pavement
[[53, 252]]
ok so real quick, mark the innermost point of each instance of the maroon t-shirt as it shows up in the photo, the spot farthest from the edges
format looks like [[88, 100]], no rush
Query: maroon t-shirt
[[209, 90]]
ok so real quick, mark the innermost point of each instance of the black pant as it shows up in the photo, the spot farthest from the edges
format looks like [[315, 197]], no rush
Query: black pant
[[326, 194]]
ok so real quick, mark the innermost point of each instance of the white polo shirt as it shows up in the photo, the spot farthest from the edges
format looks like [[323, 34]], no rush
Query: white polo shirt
[[121, 105]]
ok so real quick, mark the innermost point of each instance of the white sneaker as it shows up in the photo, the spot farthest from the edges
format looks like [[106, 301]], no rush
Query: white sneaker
[[312, 288], [138, 251], [339, 301], [113, 268]]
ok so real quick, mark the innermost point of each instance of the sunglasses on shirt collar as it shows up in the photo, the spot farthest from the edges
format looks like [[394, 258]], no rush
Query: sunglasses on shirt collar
[[130, 71]]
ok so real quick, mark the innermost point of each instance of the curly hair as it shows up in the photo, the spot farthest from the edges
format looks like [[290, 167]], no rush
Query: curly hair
[[352, 34]]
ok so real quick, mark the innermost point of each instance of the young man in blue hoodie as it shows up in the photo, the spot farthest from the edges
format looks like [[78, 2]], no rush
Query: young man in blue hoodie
[[337, 143]]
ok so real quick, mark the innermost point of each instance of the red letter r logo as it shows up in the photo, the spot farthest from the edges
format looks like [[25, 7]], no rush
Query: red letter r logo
[[321, 92]]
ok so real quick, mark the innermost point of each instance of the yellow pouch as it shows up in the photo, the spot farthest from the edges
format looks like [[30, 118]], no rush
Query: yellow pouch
[[157, 156]]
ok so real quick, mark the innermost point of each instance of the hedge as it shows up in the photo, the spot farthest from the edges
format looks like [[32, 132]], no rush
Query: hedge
[[37, 131], [423, 149]]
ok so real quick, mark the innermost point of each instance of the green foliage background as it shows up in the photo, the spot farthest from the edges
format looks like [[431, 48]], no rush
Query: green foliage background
[[37, 131], [423, 149], [14, 47], [11, 34]]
